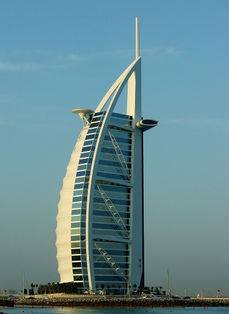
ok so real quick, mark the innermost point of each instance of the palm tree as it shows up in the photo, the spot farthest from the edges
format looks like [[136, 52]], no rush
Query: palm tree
[[49, 287], [31, 291], [58, 287]]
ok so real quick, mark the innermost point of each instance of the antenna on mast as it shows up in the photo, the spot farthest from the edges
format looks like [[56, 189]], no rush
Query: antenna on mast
[[137, 38]]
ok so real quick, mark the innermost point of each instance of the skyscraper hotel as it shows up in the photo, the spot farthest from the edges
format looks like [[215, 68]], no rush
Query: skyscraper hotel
[[100, 221]]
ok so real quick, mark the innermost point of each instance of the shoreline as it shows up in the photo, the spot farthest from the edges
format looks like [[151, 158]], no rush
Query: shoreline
[[98, 301]]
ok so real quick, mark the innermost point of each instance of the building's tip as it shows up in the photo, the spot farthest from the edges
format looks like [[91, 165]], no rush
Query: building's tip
[[137, 50]]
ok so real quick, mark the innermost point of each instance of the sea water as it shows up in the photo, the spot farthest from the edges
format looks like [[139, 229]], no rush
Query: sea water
[[115, 310]]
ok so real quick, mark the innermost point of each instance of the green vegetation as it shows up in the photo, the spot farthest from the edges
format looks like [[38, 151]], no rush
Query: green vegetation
[[69, 287]]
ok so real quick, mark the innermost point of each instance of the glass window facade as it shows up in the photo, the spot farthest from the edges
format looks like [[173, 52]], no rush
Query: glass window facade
[[111, 202]]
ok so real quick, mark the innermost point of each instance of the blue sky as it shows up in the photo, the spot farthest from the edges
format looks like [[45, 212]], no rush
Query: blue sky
[[60, 55]]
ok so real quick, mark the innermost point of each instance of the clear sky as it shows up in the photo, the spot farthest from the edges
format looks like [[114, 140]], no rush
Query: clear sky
[[59, 55]]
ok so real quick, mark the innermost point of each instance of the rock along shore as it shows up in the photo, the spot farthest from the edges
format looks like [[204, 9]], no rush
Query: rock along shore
[[121, 302]]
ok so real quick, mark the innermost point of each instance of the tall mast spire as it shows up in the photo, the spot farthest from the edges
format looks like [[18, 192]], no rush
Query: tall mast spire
[[137, 38]]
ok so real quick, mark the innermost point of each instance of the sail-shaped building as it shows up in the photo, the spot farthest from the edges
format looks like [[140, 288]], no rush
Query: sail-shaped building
[[100, 221]]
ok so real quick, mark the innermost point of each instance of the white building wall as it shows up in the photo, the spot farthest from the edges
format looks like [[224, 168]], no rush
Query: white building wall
[[63, 230], [134, 109]]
